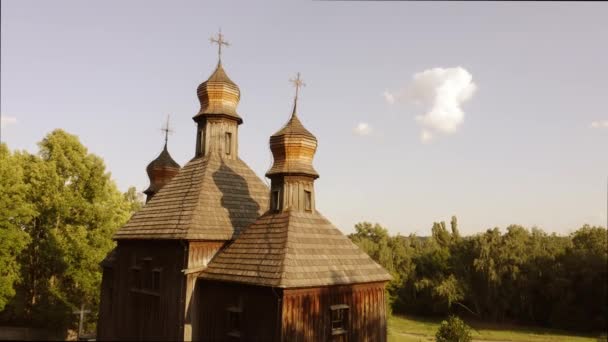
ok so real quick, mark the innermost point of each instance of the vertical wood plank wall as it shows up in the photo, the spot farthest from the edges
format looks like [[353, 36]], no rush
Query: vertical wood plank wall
[[307, 315], [259, 305], [200, 254], [132, 314], [215, 137]]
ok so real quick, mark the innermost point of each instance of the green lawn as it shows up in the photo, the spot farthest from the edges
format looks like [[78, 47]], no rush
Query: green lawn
[[410, 329]]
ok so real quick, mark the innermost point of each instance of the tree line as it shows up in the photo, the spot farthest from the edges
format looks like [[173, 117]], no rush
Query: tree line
[[521, 275], [58, 211]]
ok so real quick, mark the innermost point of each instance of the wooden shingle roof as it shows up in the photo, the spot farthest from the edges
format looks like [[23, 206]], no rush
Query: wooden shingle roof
[[293, 249], [211, 198]]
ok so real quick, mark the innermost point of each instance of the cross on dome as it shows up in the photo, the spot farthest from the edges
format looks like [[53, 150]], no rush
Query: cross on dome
[[167, 129], [219, 41], [298, 83]]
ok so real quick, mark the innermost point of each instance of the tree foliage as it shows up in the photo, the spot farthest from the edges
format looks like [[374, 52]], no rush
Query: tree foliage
[[521, 275], [15, 213], [72, 210], [453, 330]]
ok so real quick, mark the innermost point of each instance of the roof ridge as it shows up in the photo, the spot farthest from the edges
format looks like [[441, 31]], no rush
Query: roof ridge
[[197, 195], [284, 254]]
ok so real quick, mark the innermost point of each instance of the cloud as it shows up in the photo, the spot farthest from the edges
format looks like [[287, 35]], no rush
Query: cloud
[[362, 128], [441, 93], [426, 136], [389, 97], [7, 120], [599, 124]]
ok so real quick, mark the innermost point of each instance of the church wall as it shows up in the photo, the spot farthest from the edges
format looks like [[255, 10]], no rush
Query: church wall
[[214, 138], [229, 311], [200, 254], [307, 313], [147, 297]]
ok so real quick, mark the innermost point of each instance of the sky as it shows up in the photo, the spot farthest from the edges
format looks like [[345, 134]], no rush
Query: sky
[[494, 112]]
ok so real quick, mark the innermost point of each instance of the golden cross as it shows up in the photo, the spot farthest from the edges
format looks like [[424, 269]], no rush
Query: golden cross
[[298, 83], [167, 129], [219, 41]]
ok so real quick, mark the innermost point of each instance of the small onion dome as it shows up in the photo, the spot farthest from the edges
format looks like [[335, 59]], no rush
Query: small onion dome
[[293, 148], [160, 171], [218, 96]]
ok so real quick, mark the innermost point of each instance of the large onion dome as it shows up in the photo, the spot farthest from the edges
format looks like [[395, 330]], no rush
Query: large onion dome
[[218, 96]]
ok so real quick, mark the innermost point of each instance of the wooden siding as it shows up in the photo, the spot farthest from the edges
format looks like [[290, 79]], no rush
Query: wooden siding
[[199, 255], [215, 138], [306, 313], [259, 317], [131, 312], [273, 314], [292, 192]]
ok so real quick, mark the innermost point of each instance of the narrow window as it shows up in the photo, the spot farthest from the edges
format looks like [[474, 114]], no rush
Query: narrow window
[[198, 143], [274, 205], [339, 319], [136, 277], [202, 143], [307, 200], [234, 321], [109, 272], [146, 273], [156, 280], [228, 142]]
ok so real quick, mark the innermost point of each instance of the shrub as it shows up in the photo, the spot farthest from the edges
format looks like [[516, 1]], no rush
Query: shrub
[[453, 330]]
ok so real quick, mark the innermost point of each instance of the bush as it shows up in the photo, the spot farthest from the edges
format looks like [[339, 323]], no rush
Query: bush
[[453, 330]]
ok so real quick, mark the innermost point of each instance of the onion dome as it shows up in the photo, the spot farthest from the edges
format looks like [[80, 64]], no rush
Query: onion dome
[[160, 171], [293, 148], [218, 96]]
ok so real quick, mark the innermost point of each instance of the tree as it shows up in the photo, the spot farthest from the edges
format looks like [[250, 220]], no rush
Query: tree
[[77, 210], [15, 212]]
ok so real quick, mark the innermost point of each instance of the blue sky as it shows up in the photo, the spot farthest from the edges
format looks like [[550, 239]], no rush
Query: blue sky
[[530, 147]]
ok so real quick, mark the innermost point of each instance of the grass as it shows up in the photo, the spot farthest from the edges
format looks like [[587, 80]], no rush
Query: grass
[[410, 329]]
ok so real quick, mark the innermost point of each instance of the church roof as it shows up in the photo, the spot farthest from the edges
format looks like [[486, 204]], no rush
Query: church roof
[[294, 127], [293, 148], [218, 95], [293, 249], [158, 168], [164, 159], [211, 198]]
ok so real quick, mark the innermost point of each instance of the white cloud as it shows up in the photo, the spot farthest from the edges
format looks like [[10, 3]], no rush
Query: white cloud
[[599, 124], [362, 128], [389, 97], [426, 136], [7, 120], [441, 93]]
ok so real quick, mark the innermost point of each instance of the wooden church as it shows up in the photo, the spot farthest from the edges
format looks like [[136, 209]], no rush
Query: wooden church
[[215, 255]]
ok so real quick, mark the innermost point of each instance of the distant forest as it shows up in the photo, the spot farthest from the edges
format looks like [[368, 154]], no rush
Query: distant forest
[[521, 275], [59, 209]]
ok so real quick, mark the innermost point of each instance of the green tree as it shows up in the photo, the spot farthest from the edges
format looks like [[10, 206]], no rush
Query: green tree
[[15, 213], [77, 210]]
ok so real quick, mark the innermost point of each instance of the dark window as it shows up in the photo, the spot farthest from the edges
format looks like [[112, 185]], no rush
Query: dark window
[[156, 280], [339, 319], [146, 273], [109, 273], [307, 200], [136, 277], [274, 205], [234, 321], [228, 142]]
